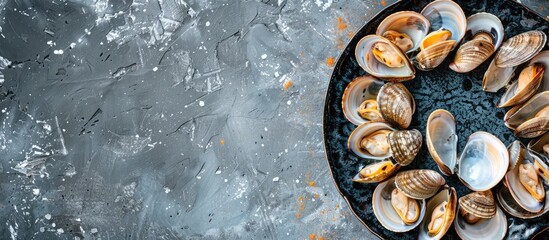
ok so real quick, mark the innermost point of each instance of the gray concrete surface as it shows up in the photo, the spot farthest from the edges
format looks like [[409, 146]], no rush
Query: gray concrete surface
[[171, 119]]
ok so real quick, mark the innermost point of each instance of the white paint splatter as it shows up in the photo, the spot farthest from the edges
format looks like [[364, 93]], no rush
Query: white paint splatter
[[264, 56], [58, 52], [207, 24], [167, 190], [201, 103], [276, 179], [47, 216], [155, 69]]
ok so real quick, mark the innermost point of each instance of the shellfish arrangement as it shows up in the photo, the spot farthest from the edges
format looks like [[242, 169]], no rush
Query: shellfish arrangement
[[382, 109]]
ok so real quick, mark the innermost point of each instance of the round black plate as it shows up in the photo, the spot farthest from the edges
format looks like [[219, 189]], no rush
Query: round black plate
[[461, 94]]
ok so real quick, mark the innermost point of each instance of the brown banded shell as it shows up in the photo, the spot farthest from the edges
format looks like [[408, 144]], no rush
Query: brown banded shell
[[431, 57], [376, 172], [405, 145], [530, 119], [419, 183], [520, 48], [471, 54], [479, 204], [525, 87], [396, 104]]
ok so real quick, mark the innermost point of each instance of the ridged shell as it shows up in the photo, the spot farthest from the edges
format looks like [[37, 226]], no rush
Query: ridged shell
[[442, 140], [480, 204], [492, 228], [434, 55], [519, 114], [520, 48], [396, 104], [366, 60], [481, 152], [405, 145], [474, 52], [446, 194], [532, 128], [495, 77], [360, 89], [383, 174], [514, 96], [413, 24], [419, 183]]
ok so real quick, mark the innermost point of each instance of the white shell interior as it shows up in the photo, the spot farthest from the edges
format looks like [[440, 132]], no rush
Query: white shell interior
[[360, 89], [384, 211], [448, 15], [495, 77], [371, 65], [490, 228], [528, 109], [443, 195], [542, 58], [510, 205], [486, 22], [441, 135], [483, 162], [520, 194], [362, 131], [415, 25]]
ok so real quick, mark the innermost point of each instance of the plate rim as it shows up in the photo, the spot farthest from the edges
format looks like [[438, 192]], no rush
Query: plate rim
[[327, 92]]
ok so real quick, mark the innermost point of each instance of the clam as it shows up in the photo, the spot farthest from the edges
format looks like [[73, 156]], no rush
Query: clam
[[540, 145], [396, 104], [487, 32], [419, 183], [543, 59], [510, 205], [523, 182], [405, 29], [526, 85], [448, 26], [442, 140], [381, 58], [515, 51], [359, 102], [439, 214], [531, 119], [482, 151], [520, 48], [479, 217], [395, 211], [379, 141], [376, 172], [541, 165]]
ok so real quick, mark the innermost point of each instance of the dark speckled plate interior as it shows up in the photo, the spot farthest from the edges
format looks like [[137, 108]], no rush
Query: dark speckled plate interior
[[461, 94]]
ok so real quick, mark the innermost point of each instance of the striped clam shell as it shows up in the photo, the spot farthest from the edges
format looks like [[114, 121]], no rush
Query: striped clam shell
[[434, 55], [471, 54], [520, 48], [396, 104], [419, 183], [480, 204], [405, 145]]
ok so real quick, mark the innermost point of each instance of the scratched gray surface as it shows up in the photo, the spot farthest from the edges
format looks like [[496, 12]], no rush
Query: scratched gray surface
[[170, 119]]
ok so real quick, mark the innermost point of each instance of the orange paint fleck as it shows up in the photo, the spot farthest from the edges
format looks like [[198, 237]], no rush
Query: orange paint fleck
[[321, 238], [316, 195], [287, 84], [312, 236], [312, 184], [222, 141], [337, 206], [383, 3], [330, 61], [300, 207], [350, 35], [341, 25]]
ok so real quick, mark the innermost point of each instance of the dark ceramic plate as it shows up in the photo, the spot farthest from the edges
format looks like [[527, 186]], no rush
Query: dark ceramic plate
[[461, 94]]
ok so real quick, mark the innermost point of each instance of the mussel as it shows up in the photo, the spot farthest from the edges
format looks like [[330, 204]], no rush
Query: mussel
[[483, 36]]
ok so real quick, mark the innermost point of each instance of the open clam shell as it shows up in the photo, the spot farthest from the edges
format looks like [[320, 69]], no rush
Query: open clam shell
[[365, 130], [366, 59], [482, 151], [510, 205], [419, 183], [477, 49], [411, 23], [519, 155], [543, 59], [386, 214], [488, 228], [442, 140], [540, 145], [520, 48], [530, 119], [446, 14], [541, 164], [396, 104], [376, 172], [524, 87], [447, 195], [496, 77], [359, 90]]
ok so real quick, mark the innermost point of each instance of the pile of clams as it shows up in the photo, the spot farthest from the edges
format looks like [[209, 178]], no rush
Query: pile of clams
[[382, 109]]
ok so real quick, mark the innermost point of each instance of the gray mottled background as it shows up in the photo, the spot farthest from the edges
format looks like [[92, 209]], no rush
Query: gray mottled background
[[169, 119]]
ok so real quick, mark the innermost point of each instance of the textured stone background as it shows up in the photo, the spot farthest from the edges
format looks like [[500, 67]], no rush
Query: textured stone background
[[167, 119]]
